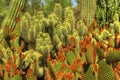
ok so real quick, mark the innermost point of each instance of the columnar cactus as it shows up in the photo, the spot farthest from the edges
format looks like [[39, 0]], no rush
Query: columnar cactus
[[58, 10], [88, 8], [116, 24], [12, 17], [82, 29], [31, 26], [69, 16], [24, 27], [2, 8]]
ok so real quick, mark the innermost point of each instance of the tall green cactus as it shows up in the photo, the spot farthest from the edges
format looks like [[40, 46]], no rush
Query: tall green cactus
[[12, 17], [88, 8], [58, 10]]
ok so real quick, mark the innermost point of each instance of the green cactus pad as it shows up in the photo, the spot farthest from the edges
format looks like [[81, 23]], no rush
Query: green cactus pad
[[105, 71], [89, 74], [113, 57], [70, 56], [17, 77]]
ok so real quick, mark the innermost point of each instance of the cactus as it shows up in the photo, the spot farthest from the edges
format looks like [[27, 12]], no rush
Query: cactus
[[6, 55], [12, 17], [24, 28], [15, 43], [58, 10], [113, 57], [53, 19], [43, 43], [17, 77], [88, 74], [69, 17], [116, 23], [100, 53], [105, 11], [101, 5], [70, 57], [104, 35], [105, 68], [61, 47], [89, 55], [2, 8], [29, 61], [31, 26], [88, 8], [82, 29]]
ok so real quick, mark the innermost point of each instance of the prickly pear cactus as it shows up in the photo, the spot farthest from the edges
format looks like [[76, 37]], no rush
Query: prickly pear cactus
[[105, 71], [113, 57], [89, 74]]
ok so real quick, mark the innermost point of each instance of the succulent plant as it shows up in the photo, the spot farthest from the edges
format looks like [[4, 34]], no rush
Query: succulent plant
[[113, 57], [82, 29], [58, 10], [89, 74], [107, 69], [70, 57], [58, 46], [17, 77], [69, 17], [33, 60], [24, 27], [100, 53], [53, 19], [12, 17], [88, 8], [2, 8], [43, 43], [116, 24]]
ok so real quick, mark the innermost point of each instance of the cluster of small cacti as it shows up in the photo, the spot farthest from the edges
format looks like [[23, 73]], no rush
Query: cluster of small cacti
[[56, 46], [43, 43], [15, 65]]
